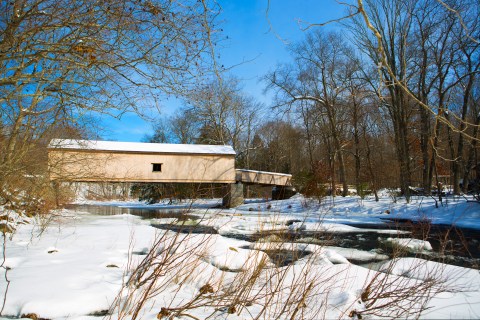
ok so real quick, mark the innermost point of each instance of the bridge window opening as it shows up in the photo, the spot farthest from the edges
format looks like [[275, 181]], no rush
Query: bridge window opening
[[157, 167]]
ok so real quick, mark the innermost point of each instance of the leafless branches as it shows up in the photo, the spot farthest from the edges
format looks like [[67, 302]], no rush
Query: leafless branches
[[192, 276], [422, 52], [63, 61]]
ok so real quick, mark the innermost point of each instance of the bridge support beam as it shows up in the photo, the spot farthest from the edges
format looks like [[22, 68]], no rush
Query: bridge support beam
[[283, 192], [233, 195]]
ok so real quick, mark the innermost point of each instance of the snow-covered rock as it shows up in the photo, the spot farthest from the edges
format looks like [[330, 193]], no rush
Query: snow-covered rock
[[412, 245]]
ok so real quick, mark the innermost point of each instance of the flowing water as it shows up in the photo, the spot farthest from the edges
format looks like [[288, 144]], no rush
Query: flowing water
[[457, 246]]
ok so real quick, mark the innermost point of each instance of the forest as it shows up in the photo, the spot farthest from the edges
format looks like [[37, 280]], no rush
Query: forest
[[389, 99], [398, 108]]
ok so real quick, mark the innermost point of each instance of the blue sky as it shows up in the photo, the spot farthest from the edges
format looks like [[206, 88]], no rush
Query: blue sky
[[255, 46]]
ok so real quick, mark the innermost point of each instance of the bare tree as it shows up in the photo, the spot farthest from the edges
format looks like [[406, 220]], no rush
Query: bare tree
[[279, 147], [466, 83], [393, 21], [65, 60], [318, 76], [185, 127], [224, 114], [417, 46], [161, 133]]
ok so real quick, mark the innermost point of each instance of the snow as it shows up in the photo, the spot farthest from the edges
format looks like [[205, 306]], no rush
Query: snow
[[455, 211], [358, 255], [226, 255], [464, 278], [140, 147], [82, 263], [414, 245], [69, 272]]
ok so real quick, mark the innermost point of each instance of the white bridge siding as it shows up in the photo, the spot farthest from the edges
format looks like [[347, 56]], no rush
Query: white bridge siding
[[109, 161], [86, 160], [263, 177]]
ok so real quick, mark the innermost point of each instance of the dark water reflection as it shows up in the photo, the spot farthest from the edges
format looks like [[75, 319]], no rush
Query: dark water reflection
[[146, 213]]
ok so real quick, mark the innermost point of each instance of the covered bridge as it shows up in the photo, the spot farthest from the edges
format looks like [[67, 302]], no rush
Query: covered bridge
[[112, 161]]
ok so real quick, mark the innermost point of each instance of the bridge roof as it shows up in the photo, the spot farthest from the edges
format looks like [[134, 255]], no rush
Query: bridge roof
[[139, 147]]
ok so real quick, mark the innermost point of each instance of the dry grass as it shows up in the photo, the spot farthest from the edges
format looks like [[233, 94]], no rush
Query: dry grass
[[260, 289]]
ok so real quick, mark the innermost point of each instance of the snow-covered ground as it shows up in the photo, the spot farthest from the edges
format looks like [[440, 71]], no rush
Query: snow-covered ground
[[84, 266]]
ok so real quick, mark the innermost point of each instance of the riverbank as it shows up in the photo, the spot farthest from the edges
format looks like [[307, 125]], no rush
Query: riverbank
[[83, 264]]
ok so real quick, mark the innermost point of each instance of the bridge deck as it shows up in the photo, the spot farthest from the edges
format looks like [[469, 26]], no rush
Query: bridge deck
[[263, 177]]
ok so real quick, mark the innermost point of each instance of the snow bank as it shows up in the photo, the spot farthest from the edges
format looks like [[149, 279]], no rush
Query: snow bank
[[79, 264], [226, 254], [413, 245], [71, 270], [358, 255], [457, 278], [335, 255]]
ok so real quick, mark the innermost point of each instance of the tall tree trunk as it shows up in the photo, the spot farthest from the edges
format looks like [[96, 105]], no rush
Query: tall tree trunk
[[399, 117], [370, 166], [471, 160], [459, 163], [341, 162], [356, 140], [454, 164], [424, 145]]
